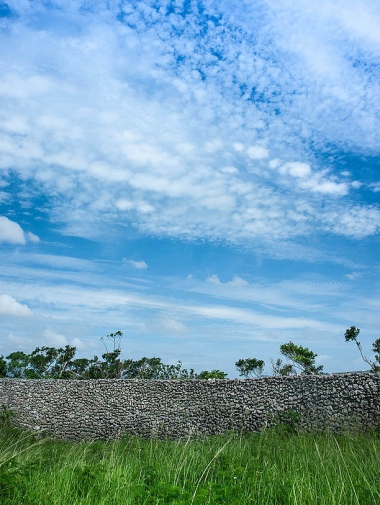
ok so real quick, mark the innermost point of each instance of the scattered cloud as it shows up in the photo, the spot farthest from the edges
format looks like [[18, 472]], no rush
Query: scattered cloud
[[172, 325], [214, 279], [12, 233], [139, 265], [375, 187], [235, 282], [251, 126], [53, 339], [353, 275], [11, 307], [257, 152], [207, 113], [357, 221]]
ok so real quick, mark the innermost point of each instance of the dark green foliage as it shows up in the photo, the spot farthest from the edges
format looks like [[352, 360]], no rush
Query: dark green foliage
[[214, 374], [144, 368], [376, 349], [351, 335], [6, 417], [287, 422], [302, 360], [154, 368], [42, 363], [3, 367], [250, 367], [79, 368], [12, 484], [17, 363], [52, 363], [84, 482]]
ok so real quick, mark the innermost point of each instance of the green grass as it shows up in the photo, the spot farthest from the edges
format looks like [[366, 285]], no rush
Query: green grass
[[272, 468]]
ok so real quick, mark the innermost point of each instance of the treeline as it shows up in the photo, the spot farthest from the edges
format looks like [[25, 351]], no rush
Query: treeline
[[53, 363], [60, 363]]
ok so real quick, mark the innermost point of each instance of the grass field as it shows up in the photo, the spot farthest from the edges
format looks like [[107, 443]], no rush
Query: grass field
[[274, 467]]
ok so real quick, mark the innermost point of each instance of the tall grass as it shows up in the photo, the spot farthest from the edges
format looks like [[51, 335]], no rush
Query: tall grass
[[272, 468]]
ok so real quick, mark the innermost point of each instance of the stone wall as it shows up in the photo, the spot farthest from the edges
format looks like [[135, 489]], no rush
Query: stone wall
[[105, 409]]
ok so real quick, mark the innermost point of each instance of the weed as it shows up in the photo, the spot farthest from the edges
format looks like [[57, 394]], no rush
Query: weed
[[266, 468]]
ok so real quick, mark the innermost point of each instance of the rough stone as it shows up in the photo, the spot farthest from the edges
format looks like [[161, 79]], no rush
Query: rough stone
[[105, 409]]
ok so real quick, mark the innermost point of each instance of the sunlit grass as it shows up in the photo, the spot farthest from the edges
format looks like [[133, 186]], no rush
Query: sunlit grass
[[271, 468]]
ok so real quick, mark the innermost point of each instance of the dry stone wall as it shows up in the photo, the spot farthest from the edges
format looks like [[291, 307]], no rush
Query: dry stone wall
[[105, 409]]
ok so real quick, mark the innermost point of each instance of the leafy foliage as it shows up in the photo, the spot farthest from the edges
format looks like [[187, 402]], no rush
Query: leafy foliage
[[214, 374], [250, 367], [52, 363], [3, 367], [154, 368], [6, 416], [286, 422], [351, 335], [302, 359]]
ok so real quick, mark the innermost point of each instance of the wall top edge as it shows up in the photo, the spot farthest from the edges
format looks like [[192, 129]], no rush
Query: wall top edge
[[201, 381]]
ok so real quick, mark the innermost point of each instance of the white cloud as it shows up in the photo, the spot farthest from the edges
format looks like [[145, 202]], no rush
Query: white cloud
[[12, 233], [172, 325], [214, 279], [31, 237], [296, 169], [237, 282], [53, 339], [353, 275], [139, 265], [257, 152], [11, 307], [124, 204], [275, 163], [375, 187], [81, 345], [357, 222], [146, 128], [315, 182], [17, 342], [321, 185], [238, 146]]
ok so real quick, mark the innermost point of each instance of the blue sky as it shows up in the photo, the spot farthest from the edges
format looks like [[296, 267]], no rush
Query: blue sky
[[203, 176]]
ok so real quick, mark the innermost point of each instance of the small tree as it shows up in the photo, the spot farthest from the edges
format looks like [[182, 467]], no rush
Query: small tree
[[214, 374], [302, 359], [111, 367], [115, 338], [281, 370], [351, 335], [250, 367]]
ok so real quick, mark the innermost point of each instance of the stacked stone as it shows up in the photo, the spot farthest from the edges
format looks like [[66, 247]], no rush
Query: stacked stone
[[106, 409]]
